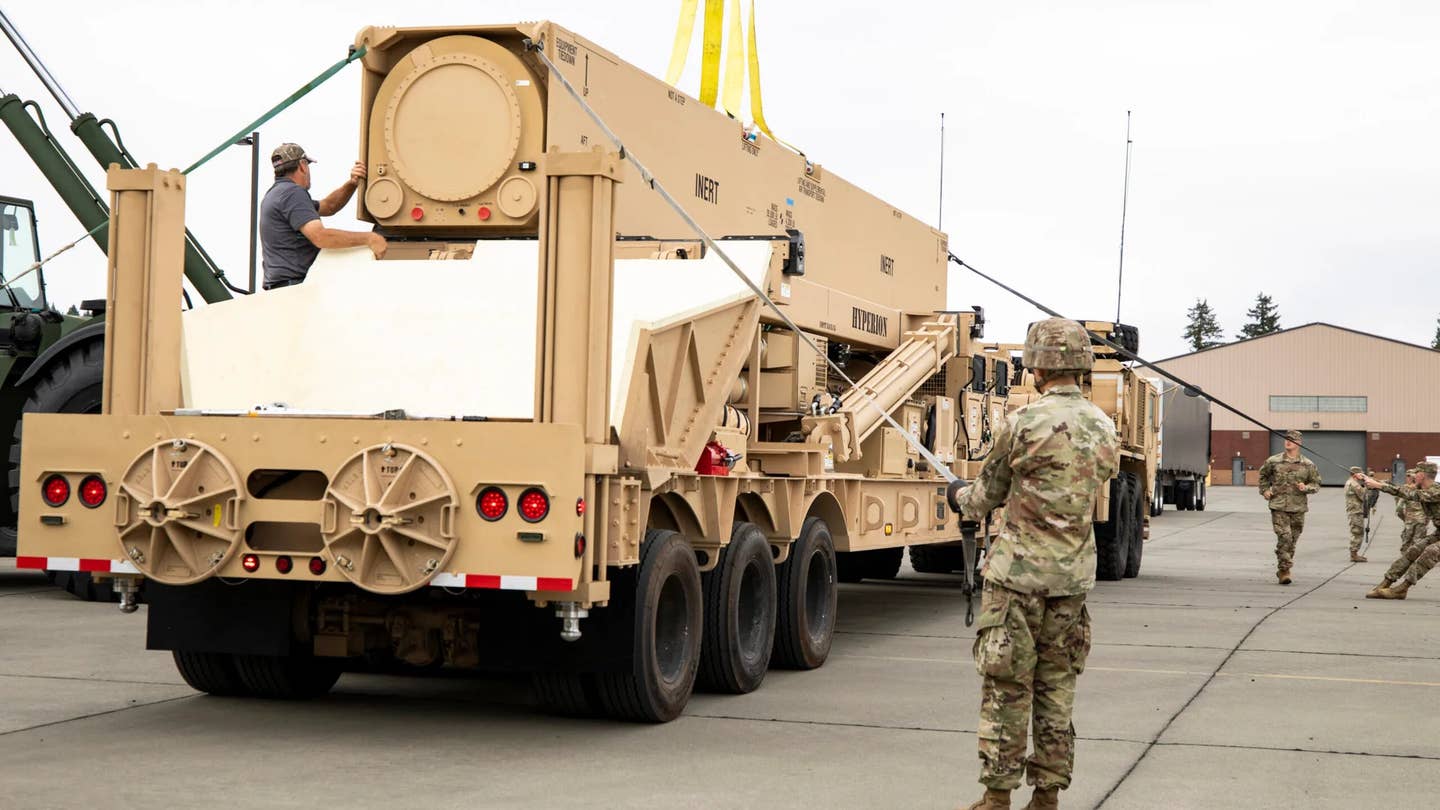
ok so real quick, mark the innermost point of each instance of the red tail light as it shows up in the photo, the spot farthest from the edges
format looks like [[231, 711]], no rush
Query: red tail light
[[534, 505], [250, 562], [580, 507], [492, 503], [283, 564], [55, 490], [317, 566], [92, 491]]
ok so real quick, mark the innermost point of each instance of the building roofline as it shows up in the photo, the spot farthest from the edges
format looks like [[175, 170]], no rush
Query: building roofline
[[1296, 329]]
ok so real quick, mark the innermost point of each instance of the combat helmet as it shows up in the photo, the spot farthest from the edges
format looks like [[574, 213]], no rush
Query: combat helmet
[[1058, 344]]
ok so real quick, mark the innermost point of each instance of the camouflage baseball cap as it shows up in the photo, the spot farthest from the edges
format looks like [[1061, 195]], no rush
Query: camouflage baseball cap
[[1057, 344], [289, 154], [1426, 467], [1356, 470], [1294, 436]]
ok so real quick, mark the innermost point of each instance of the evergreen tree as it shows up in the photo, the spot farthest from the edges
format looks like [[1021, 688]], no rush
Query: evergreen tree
[[72, 310], [1435, 344], [1264, 318], [1203, 331]]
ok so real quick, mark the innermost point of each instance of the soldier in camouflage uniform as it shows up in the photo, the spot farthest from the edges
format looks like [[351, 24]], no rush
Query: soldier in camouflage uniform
[[1287, 480], [1358, 502], [1424, 553], [1047, 466], [1411, 514]]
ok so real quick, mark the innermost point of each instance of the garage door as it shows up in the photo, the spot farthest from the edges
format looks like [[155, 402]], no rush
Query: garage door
[[1343, 447]]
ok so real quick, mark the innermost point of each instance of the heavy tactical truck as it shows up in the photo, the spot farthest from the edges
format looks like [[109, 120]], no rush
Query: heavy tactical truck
[[1122, 513], [1185, 452], [696, 532], [52, 363]]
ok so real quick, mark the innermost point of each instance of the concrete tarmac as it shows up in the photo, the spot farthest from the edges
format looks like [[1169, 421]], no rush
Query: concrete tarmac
[[1209, 686]]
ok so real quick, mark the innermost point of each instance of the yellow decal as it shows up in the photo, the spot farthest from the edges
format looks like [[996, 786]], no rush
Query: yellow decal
[[217, 516]]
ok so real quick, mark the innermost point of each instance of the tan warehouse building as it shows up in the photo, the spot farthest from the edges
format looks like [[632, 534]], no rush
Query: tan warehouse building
[[1361, 399]]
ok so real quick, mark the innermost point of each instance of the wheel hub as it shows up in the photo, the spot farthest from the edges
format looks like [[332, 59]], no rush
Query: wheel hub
[[177, 512]]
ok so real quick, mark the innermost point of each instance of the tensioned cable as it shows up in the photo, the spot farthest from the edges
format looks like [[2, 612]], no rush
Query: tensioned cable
[[538, 48], [1127, 354], [304, 90]]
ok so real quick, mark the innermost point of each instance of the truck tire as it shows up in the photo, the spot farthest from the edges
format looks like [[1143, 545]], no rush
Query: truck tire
[[1157, 500], [1135, 546], [937, 559], [287, 677], [212, 673], [72, 384], [665, 636], [1200, 496], [807, 597], [570, 694], [1111, 535], [739, 614], [880, 563]]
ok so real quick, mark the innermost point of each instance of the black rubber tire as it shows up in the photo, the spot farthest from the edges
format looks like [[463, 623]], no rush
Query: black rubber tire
[[1110, 536], [666, 636], [880, 563], [1200, 496], [82, 585], [739, 614], [807, 597], [212, 673], [570, 694], [73, 383], [937, 559], [287, 677], [1135, 548]]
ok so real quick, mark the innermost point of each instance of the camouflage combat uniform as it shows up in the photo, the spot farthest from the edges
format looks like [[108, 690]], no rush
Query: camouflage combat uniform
[[1047, 466], [1290, 482], [1358, 501], [1412, 514], [1424, 552]]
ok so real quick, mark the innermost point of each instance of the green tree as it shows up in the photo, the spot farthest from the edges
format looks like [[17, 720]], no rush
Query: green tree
[[72, 310], [1435, 343], [1203, 331], [1264, 318]]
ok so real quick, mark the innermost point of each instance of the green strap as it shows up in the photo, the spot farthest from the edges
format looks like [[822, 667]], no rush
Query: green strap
[[276, 110]]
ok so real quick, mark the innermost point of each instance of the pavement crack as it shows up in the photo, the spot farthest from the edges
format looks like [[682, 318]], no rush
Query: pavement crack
[[95, 714], [87, 680], [1209, 680]]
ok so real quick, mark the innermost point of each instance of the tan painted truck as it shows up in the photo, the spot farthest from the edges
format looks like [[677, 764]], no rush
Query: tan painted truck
[[698, 534]]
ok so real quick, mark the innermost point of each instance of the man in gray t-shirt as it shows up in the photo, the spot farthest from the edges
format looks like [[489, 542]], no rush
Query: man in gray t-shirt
[[291, 234]]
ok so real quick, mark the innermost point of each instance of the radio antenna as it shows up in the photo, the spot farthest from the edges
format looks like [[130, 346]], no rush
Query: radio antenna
[[940, 215], [1124, 206]]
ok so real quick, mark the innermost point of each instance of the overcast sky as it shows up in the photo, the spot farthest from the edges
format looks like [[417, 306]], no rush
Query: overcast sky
[[1280, 147]]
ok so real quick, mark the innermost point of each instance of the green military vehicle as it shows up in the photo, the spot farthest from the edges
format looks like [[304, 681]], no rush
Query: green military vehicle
[[50, 362]]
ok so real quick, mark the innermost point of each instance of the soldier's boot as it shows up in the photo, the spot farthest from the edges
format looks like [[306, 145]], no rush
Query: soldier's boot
[[1375, 591], [992, 800], [1283, 575], [1356, 557], [1396, 591], [1044, 799]]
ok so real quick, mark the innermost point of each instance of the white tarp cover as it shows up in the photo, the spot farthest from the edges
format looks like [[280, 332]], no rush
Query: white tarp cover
[[434, 338]]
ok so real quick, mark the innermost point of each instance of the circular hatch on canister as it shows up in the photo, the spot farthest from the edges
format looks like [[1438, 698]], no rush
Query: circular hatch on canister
[[177, 514], [452, 124]]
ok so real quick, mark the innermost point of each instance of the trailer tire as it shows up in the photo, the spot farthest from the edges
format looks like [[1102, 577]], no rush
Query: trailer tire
[[665, 636], [212, 673], [1135, 546], [937, 559], [807, 597], [1200, 496], [570, 694], [287, 677], [72, 383], [880, 563], [739, 634], [1111, 535]]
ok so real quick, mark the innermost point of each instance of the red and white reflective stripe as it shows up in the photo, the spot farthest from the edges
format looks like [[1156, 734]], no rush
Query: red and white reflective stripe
[[503, 583], [77, 564]]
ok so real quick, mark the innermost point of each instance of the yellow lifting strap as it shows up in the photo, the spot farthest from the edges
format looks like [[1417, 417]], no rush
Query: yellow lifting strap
[[734, 62], [710, 51], [757, 105], [681, 50]]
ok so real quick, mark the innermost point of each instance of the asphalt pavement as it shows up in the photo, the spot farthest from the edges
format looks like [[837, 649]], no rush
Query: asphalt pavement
[[1209, 686]]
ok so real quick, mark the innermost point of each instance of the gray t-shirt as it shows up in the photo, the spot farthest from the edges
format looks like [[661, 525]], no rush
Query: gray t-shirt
[[287, 254]]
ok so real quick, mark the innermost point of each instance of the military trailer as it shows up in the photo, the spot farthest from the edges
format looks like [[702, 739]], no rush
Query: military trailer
[[687, 518], [1184, 466]]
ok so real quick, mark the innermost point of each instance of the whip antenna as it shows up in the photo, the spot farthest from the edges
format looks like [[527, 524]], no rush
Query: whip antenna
[[1124, 205]]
